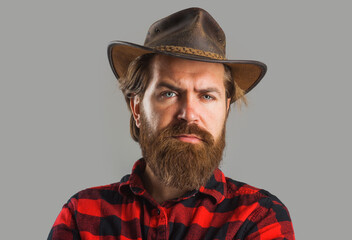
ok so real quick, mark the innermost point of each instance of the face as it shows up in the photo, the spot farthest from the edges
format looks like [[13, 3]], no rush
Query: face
[[184, 90], [182, 120]]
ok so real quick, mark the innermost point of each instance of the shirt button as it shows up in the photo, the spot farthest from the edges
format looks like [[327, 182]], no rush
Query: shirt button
[[158, 211]]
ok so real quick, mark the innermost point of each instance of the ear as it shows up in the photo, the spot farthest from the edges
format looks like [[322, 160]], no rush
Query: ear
[[135, 103], [228, 102]]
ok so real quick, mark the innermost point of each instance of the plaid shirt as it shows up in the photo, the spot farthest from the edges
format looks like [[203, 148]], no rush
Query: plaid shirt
[[223, 209]]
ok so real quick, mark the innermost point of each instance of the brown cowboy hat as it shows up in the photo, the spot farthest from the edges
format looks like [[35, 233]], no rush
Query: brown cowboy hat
[[191, 34]]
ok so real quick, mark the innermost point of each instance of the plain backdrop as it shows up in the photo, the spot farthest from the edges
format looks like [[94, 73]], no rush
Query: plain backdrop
[[64, 125]]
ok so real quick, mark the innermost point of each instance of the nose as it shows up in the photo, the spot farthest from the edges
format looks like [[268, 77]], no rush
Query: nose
[[189, 110]]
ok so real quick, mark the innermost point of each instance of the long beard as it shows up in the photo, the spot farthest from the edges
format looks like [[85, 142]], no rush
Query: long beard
[[180, 164]]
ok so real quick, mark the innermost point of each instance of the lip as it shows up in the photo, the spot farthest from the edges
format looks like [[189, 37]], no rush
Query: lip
[[188, 138]]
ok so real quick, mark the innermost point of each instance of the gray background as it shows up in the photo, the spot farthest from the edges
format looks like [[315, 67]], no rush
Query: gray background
[[64, 124]]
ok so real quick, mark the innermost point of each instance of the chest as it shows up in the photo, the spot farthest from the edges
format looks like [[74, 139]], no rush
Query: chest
[[140, 220]]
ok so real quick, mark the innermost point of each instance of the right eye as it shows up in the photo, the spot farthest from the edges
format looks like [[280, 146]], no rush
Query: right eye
[[168, 94]]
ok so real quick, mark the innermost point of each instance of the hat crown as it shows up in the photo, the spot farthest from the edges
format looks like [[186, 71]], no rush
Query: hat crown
[[192, 28]]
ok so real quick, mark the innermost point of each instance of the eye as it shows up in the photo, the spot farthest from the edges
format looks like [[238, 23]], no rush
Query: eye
[[208, 97], [168, 94]]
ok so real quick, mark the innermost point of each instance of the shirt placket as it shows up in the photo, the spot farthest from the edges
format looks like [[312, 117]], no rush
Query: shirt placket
[[159, 223]]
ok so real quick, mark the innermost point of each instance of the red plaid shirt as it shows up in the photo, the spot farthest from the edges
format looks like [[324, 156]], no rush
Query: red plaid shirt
[[223, 209]]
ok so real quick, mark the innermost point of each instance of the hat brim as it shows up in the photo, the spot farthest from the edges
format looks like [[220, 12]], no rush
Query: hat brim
[[246, 73]]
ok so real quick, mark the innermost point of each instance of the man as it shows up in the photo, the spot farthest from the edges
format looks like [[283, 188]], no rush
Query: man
[[179, 88]]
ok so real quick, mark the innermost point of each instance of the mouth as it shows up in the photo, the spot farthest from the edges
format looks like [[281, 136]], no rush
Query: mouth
[[189, 138]]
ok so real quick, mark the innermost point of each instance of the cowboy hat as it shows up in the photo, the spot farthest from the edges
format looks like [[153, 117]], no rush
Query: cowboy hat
[[190, 34]]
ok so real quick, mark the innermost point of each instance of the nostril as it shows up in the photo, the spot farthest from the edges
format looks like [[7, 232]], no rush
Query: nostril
[[188, 115]]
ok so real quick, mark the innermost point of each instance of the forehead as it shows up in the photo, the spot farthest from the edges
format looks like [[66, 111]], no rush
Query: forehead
[[180, 70]]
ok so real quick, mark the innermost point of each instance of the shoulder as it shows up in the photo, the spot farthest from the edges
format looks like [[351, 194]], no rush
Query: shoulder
[[260, 201], [241, 189], [110, 193], [261, 212]]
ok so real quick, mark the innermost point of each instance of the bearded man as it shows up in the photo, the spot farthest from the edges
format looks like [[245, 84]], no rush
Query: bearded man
[[179, 87]]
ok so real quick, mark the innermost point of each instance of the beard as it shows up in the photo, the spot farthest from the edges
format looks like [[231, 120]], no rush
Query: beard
[[178, 164]]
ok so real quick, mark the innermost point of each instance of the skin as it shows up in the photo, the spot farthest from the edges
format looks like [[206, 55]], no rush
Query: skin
[[181, 90]]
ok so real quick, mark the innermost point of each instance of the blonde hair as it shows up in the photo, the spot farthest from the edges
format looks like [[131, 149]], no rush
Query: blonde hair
[[233, 91]]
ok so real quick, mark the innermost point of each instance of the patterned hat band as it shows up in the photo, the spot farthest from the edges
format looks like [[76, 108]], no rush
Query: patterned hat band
[[190, 51]]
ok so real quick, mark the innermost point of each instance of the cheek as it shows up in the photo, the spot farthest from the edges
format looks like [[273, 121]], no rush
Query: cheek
[[214, 120], [164, 116], [157, 115]]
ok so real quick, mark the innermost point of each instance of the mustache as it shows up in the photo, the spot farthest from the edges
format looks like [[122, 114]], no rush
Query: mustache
[[180, 128]]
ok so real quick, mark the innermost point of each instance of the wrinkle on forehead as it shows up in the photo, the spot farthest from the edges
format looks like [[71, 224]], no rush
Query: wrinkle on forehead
[[178, 68]]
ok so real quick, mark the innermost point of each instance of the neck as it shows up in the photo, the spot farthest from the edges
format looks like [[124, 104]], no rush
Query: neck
[[157, 190]]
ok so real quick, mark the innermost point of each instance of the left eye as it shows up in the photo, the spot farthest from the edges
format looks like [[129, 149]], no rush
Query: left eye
[[207, 97]]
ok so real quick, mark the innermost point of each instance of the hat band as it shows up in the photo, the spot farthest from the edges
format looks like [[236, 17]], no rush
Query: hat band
[[190, 51]]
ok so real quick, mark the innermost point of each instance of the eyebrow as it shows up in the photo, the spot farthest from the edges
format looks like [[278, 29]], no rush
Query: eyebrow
[[168, 85], [209, 90], [177, 89]]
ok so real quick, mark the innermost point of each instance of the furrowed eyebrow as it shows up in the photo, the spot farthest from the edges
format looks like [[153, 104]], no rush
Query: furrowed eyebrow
[[177, 89], [167, 85]]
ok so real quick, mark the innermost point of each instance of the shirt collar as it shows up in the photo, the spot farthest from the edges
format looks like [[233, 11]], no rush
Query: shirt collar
[[215, 187], [133, 182]]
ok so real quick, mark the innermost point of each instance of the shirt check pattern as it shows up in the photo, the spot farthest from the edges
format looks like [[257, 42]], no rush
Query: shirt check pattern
[[223, 209]]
